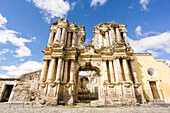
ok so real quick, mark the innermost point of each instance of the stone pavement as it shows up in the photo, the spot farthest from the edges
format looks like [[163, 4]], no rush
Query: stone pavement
[[20, 108]]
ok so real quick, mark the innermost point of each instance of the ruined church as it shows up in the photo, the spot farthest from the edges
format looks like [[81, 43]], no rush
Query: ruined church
[[117, 74]]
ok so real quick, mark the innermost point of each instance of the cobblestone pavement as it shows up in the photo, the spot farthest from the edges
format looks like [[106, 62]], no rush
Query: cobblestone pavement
[[20, 108]]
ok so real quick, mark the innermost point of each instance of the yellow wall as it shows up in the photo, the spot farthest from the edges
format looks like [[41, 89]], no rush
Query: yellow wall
[[142, 63]]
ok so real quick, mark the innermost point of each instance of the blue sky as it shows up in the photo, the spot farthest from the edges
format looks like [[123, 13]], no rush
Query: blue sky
[[24, 27]]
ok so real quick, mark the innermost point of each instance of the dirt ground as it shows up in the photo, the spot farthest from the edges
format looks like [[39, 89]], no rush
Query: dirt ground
[[21, 108]]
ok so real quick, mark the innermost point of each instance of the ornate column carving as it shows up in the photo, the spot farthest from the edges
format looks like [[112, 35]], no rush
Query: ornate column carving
[[51, 74], [115, 70], [58, 36], [65, 71], [72, 71], [100, 40], [44, 71], [134, 71], [118, 36], [58, 74], [51, 37], [69, 39], [126, 70], [74, 40], [112, 36], [107, 39], [104, 69], [118, 71], [111, 72], [63, 36], [126, 39]]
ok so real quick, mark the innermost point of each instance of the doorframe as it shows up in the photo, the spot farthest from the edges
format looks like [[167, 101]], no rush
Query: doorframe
[[3, 90], [160, 94]]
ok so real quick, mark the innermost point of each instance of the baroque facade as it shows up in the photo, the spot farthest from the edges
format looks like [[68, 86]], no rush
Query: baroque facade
[[109, 56], [116, 74]]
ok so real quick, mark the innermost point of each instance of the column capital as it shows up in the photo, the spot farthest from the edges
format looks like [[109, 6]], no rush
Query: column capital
[[52, 30], [123, 30]]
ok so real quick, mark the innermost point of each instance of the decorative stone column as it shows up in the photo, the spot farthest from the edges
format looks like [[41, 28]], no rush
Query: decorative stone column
[[63, 36], [118, 70], [72, 71], [118, 36], [125, 38], [126, 71], [65, 71], [44, 71], [100, 40], [74, 40], [51, 38], [58, 36], [104, 69], [69, 39], [111, 72], [50, 77], [107, 39], [112, 36], [115, 70], [58, 74], [133, 70]]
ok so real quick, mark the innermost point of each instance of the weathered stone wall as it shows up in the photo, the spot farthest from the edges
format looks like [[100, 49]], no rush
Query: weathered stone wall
[[6, 81], [26, 89]]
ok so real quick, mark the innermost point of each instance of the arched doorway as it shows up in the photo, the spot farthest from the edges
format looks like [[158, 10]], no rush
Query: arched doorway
[[87, 83]]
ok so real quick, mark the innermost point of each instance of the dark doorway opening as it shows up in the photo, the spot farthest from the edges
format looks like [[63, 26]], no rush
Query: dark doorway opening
[[6, 93]]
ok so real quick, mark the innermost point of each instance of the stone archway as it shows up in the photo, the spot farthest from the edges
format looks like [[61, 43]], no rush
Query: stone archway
[[87, 86]]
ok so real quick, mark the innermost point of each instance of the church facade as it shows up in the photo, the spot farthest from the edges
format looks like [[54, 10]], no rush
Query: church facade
[[109, 57], [117, 74]]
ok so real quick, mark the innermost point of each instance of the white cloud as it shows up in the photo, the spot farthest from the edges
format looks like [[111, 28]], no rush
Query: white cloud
[[152, 43], [11, 36], [3, 20], [53, 8], [144, 4], [168, 62], [16, 71], [138, 32], [96, 2]]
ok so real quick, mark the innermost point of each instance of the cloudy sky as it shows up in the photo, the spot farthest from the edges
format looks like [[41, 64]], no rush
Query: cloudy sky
[[24, 27]]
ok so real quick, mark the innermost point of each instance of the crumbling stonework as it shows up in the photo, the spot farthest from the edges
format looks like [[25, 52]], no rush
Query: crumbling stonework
[[26, 89], [109, 55]]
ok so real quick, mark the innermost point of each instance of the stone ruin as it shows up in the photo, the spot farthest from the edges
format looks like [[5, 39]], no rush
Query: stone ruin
[[113, 77]]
